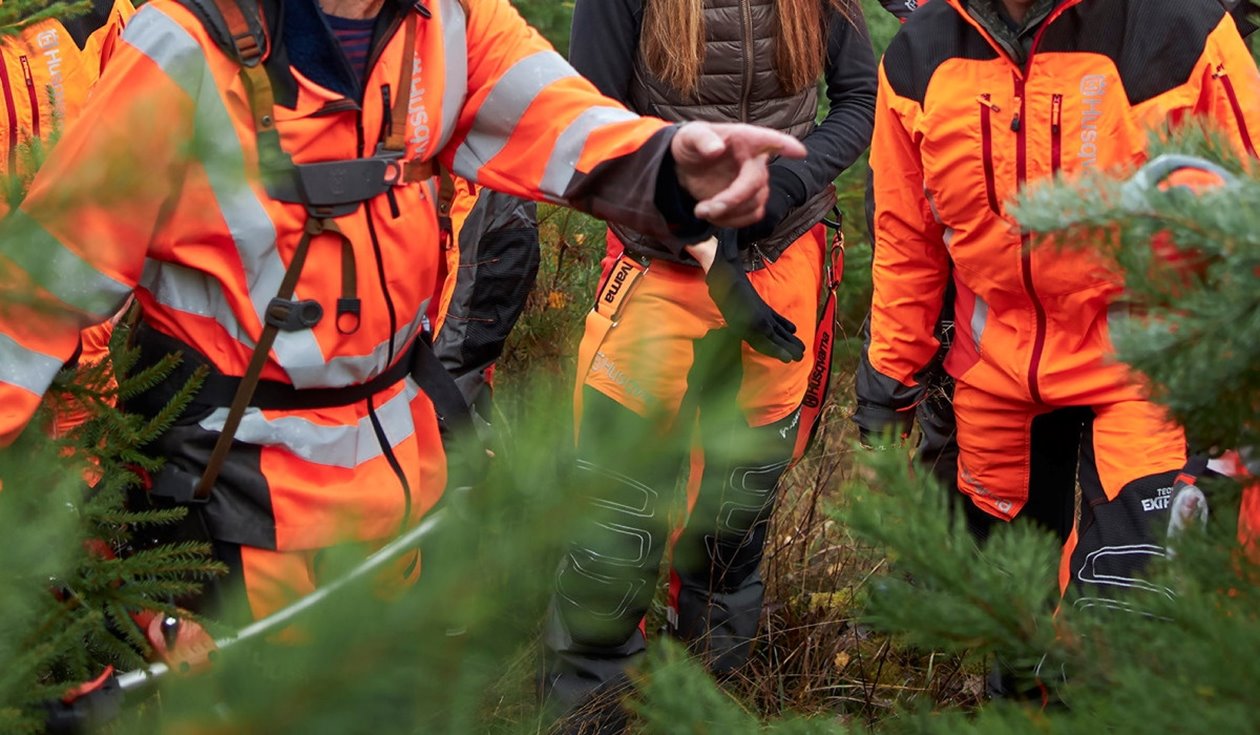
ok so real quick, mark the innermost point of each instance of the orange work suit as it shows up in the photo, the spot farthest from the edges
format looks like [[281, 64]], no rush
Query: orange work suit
[[961, 127], [159, 192]]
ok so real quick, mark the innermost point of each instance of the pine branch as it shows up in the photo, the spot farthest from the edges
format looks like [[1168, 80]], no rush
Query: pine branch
[[15, 16]]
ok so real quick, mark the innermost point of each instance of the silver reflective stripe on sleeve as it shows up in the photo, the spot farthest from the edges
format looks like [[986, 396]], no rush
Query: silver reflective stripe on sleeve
[[569, 146], [506, 104], [58, 270], [26, 368], [193, 292], [455, 56], [979, 320]]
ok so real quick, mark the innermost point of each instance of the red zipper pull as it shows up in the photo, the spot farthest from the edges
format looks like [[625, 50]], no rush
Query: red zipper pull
[[987, 100]]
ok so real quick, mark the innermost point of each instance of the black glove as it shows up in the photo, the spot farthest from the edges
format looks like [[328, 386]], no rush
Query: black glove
[[787, 192], [876, 423], [743, 308]]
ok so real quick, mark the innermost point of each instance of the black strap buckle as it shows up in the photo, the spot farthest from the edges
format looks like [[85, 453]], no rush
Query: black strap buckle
[[446, 231], [348, 315], [294, 316]]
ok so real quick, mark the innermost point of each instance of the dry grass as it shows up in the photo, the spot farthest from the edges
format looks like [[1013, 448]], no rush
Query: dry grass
[[814, 657]]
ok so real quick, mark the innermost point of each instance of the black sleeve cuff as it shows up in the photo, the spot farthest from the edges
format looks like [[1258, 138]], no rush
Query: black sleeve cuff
[[678, 207], [783, 179]]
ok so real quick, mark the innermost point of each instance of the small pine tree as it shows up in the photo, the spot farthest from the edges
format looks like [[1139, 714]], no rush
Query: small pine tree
[[72, 580]]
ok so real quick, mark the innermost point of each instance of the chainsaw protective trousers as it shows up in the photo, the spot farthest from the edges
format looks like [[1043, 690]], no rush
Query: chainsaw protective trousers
[[608, 576], [664, 382]]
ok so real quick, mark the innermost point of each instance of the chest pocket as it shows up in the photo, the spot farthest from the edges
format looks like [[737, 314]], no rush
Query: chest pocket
[[968, 154]]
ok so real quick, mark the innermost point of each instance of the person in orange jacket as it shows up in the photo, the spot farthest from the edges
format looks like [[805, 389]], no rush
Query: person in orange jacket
[[1023, 91], [263, 182]]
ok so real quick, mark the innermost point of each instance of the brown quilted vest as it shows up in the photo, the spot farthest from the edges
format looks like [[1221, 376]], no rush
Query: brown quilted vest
[[735, 87]]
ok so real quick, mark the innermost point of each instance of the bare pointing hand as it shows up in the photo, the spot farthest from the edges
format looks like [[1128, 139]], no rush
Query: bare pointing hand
[[723, 165]]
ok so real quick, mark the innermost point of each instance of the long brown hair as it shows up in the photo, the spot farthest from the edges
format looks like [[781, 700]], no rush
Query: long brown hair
[[673, 40]]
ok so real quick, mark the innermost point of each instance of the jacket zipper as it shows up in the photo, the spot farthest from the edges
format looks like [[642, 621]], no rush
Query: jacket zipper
[[1025, 242], [387, 129], [1056, 134], [746, 90], [987, 108], [1223, 75], [375, 54], [1021, 165], [32, 94], [386, 450], [10, 107]]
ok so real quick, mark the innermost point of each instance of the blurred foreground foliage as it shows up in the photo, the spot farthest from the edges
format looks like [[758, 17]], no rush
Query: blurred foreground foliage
[[881, 613], [73, 571]]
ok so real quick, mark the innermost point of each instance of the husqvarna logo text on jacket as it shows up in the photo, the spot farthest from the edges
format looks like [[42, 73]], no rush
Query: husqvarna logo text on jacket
[[417, 115], [1093, 89], [50, 45]]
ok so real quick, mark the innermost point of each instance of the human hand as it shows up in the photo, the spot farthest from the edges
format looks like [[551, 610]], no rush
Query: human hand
[[723, 165], [745, 312]]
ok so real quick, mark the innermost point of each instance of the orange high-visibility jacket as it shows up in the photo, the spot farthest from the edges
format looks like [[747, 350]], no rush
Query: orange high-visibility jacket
[[46, 70], [157, 191], [960, 128]]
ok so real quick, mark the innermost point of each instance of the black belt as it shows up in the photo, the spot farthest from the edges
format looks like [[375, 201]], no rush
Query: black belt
[[217, 389]]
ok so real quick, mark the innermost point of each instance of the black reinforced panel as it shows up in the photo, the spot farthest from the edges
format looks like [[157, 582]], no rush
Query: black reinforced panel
[[935, 34], [1155, 44]]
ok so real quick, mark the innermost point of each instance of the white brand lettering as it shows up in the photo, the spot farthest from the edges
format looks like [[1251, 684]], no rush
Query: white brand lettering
[[417, 115], [1093, 88]]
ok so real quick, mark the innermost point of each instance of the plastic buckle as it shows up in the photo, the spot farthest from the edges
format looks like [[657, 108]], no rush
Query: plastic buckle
[[176, 485], [348, 315], [248, 50], [395, 168], [294, 316], [446, 232]]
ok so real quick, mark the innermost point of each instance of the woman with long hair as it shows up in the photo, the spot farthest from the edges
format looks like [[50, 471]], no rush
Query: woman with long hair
[[706, 348]]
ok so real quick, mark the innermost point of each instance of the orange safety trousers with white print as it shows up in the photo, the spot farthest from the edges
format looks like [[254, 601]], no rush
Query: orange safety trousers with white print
[[659, 374], [638, 343]]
